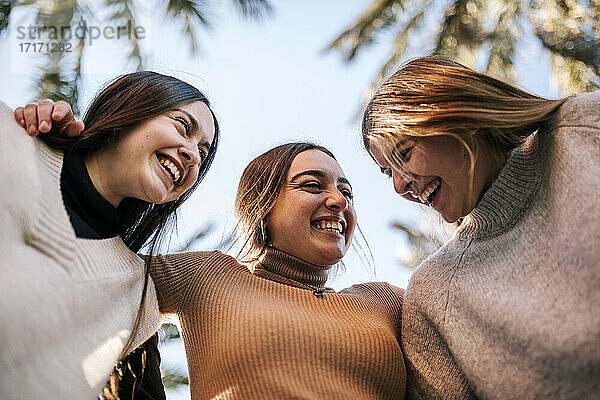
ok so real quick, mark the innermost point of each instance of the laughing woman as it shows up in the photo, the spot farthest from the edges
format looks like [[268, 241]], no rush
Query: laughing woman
[[74, 297], [508, 309], [271, 329]]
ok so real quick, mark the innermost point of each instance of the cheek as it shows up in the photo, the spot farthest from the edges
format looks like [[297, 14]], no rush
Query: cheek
[[426, 164], [191, 179], [351, 222]]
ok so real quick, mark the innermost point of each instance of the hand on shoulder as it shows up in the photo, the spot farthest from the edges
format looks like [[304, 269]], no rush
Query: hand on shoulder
[[48, 116]]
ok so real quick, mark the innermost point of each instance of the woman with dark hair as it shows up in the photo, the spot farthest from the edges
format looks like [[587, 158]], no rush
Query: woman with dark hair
[[75, 211], [507, 309], [268, 327]]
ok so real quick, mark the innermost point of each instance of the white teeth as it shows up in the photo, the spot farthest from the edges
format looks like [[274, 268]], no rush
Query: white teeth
[[428, 190], [172, 168], [326, 225]]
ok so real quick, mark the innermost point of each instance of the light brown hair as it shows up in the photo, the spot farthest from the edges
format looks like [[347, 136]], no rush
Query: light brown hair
[[432, 96], [258, 189], [259, 186]]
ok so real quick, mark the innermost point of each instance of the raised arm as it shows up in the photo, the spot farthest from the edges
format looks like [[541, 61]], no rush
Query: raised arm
[[48, 116], [176, 278]]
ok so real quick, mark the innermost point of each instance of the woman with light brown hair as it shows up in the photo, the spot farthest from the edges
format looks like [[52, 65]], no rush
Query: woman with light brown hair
[[507, 309], [269, 327]]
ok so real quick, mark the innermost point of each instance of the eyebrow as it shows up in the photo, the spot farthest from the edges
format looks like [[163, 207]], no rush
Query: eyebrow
[[195, 126], [319, 174]]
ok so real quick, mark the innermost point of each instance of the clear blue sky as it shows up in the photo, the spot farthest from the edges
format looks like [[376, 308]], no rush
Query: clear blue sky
[[270, 82]]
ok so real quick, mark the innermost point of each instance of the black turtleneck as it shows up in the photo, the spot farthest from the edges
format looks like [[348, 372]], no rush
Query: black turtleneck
[[93, 217]]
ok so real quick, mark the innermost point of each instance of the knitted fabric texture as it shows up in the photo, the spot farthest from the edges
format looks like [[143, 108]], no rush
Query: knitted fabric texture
[[270, 335], [67, 305], [508, 309]]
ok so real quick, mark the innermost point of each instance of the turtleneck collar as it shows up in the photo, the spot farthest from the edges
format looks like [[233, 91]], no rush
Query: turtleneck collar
[[285, 268], [92, 216], [510, 196]]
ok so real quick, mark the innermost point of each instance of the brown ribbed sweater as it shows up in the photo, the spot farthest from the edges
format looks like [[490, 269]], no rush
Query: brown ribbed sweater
[[277, 332], [510, 307]]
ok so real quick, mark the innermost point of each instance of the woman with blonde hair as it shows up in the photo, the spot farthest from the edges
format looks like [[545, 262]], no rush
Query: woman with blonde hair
[[507, 309]]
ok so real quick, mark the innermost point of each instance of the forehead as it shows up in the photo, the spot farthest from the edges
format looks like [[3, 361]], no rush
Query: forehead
[[201, 112], [381, 150], [315, 160]]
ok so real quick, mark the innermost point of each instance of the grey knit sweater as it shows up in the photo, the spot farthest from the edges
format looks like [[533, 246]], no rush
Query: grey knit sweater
[[67, 304], [510, 307]]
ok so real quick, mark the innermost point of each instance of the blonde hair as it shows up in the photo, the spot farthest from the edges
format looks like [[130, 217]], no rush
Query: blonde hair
[[432, 96]]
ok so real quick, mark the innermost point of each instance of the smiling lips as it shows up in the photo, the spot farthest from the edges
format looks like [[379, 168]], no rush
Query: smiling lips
[[172, 169], [427, 195], [329, 225]]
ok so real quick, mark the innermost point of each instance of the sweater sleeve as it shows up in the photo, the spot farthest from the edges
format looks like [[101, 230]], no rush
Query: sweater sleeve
[[432, 372], [175, 276]]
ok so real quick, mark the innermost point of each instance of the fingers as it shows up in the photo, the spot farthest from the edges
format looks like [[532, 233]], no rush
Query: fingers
[[31, 122], [44, 113], [47, 116], [74, 128], [20, 116], [62, 112]]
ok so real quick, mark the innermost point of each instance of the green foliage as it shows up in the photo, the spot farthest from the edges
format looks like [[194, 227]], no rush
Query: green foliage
[[59, 74], [5, 8], [422, 239], [483, 32], [173, 378]]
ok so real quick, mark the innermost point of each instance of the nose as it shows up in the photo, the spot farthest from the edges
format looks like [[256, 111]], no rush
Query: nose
[[402, 182], [190, 154], [336, 201]]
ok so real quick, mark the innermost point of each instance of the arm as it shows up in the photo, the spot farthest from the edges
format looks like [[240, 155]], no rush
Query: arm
[[176, 277], [47, 116], [432, 372]]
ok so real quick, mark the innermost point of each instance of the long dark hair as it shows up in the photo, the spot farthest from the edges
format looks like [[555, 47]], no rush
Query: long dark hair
[[124, 104]]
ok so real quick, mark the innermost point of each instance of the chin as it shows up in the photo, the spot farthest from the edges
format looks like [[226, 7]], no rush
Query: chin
[[328, 257], [449, 219]]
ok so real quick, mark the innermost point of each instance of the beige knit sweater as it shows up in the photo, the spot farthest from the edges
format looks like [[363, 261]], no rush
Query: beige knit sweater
[[510, 307], [278, 333], [66, 304]]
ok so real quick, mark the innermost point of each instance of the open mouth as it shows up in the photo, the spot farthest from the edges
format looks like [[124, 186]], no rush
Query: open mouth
[[171, 168], [430, 192], [328, 226]]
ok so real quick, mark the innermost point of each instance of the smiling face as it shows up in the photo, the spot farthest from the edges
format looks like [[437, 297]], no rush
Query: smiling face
[[313, 217], [437, 172], [158, 160]]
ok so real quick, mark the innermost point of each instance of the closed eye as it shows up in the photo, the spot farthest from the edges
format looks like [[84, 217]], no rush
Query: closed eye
[[405, 154], [184, 123], [347, 193], [203, 154], [312, 186]]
